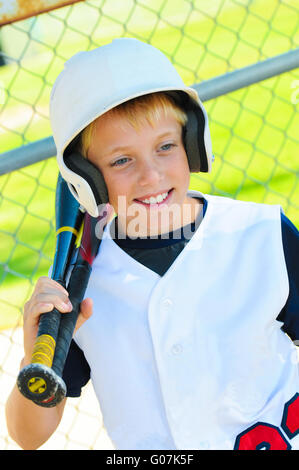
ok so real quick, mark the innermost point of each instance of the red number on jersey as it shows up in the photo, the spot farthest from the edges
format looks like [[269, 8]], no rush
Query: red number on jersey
[[269, 437], [261, 436], [290, 418]]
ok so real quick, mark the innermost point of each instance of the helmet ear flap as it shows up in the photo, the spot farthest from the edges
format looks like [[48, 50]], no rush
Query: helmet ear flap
[[90, 173], [194, 141], [195, 135]]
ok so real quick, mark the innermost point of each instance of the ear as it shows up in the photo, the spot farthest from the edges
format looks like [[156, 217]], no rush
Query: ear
[[90, 173]]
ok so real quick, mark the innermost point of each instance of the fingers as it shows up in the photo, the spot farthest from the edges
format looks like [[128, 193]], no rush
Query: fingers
[[86, 310], [46, 302], [44, 282], [48, 294]]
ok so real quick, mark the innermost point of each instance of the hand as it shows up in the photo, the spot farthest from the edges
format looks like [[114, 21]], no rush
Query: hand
[[47, 295]]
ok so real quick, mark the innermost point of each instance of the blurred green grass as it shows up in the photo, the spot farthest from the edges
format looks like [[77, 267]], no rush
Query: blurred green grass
[[254, 131]]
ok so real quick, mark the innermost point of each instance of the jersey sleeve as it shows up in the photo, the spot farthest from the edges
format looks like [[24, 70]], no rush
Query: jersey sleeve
[[76, 371], [290, 313]]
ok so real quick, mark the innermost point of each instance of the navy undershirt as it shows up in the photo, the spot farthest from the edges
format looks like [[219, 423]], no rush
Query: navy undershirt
[[158, 254]]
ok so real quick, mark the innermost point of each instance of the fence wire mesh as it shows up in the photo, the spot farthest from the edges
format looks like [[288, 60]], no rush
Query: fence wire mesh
[[254, 132]]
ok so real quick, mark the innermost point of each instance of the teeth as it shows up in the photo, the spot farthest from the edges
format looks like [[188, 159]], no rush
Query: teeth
[[155, 200]]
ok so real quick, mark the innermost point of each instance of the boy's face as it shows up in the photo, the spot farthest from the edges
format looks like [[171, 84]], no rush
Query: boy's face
[[146, 172]]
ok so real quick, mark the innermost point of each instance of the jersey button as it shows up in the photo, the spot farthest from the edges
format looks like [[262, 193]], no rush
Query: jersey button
[[177, 349], [166, 305]]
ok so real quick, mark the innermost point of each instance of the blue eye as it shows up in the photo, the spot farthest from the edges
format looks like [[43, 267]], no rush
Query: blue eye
[[120, 161], [167, 147]]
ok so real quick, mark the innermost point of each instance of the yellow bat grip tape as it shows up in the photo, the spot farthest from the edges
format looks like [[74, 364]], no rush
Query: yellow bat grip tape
[[67, 229], [43, 351]]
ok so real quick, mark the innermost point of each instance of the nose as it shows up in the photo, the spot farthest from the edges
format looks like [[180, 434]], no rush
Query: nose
[[149, 172]]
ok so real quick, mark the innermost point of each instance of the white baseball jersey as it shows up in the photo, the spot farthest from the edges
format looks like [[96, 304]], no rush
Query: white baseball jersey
[[196, 359]]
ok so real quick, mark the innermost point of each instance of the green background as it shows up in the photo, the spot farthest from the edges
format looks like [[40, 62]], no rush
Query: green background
[[254, 130]]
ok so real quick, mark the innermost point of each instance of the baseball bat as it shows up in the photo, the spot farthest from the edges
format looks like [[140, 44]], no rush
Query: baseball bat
[[76, 287], [36, 380]]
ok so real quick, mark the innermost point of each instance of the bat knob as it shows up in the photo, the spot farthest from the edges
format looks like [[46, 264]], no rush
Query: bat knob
[[37, 382], [56, 398]]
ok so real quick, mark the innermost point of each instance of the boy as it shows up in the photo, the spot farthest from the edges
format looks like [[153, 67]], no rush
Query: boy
[[183, 329]]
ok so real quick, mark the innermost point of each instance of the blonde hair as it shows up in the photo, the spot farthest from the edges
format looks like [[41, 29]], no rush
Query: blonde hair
[[138, 111]]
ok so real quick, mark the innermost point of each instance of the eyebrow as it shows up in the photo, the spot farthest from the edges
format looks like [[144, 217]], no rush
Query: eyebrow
[[119, 149], [123, 148]]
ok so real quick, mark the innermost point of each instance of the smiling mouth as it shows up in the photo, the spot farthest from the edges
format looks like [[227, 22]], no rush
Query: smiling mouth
[[155, 201]]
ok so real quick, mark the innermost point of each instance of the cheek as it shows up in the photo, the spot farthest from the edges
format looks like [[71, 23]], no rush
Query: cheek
[[181, 169], [118, 190]]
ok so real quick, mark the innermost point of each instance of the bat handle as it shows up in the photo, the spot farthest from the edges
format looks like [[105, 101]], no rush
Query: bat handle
[[76, 288], [41, 381], [37, 381], [53, 376]]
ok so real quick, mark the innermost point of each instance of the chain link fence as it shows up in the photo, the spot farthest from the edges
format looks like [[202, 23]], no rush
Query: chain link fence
[[254, 133]]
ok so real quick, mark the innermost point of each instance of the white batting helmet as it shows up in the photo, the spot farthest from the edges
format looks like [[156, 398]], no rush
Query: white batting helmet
[[96, 81]]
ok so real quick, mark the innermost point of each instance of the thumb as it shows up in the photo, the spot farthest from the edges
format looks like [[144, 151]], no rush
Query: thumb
[[86, 310]]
